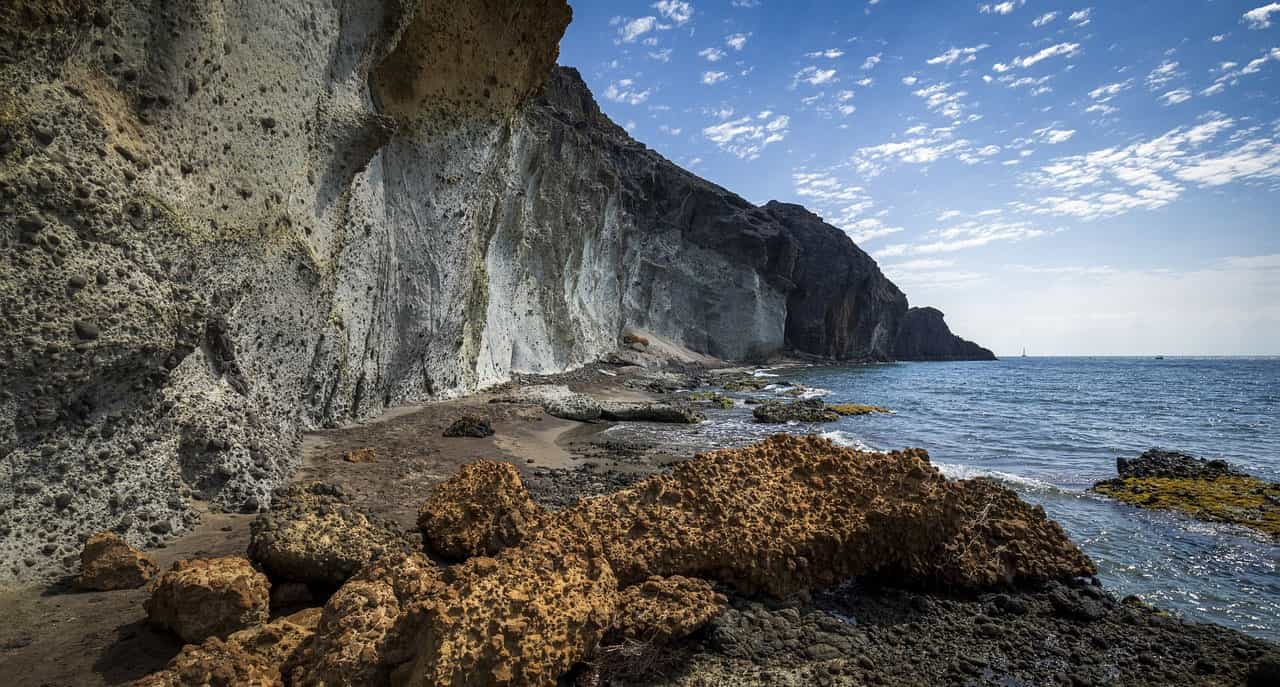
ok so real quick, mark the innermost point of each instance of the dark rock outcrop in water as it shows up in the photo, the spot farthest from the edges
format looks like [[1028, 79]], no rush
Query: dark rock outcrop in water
[[225, 225], [1159, 463], [924, 335]]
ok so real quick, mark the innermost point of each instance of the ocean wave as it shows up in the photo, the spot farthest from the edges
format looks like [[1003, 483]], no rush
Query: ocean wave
[[847, 440], [1019, 482]]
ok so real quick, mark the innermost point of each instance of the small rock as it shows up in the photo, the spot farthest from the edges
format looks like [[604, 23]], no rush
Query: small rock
[[108, 562], [87, 331], [470, 426]]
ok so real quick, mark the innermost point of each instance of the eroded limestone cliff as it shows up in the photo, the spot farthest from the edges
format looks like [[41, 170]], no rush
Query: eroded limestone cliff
[[224, 223]]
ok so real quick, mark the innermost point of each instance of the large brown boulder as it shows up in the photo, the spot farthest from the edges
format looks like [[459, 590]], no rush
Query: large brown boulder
[[479, 512], [368, 626], [791, 514], [108, 562], [259, 656], [314, 535], [209, 597], [662, 609]]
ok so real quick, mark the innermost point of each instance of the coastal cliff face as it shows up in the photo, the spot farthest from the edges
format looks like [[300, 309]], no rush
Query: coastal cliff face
[[226, 222], [924, 335]]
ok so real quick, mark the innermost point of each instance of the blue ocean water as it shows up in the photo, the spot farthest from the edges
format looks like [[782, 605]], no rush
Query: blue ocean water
[[1051, 427]]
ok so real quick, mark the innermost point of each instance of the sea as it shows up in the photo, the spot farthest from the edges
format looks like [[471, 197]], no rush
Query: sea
[[1049, 428]]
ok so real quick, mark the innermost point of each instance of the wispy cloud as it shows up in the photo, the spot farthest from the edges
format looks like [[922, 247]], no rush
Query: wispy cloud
[[1001, 7], [814, 76], [961, 55], [1044, 19], [713, 78], [1260, 17], [626, 91], [1059, 50], [747, 137]]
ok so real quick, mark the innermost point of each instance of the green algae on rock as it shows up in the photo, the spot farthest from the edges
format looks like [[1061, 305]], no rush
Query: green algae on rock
[[850, 409], [1246, 501]]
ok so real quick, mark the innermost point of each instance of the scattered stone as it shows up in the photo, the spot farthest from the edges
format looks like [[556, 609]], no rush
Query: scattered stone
[[360, 455], [108, 563], [470, 426], [778, 412], [209, 597], [313, 534]]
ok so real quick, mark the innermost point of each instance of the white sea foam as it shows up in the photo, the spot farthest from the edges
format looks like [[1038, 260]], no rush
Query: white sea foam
[[957, 471], [842, 438]]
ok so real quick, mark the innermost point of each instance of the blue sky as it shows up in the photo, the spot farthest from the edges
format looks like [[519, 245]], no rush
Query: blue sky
[[1072, 178]]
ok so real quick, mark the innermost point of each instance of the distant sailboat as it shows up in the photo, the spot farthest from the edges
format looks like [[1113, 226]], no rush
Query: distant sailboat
[[1024, 352]]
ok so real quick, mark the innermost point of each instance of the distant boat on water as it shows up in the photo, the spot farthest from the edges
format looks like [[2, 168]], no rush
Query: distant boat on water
[[1024, 352], [1159, 357]]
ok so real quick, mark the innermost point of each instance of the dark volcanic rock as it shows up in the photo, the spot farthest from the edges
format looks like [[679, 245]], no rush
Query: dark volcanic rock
[[470, 426], [1159, 463], [924, 335], [778, 412]]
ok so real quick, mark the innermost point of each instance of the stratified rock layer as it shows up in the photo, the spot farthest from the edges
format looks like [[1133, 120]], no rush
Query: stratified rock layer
[[209, 597], [108, 563]]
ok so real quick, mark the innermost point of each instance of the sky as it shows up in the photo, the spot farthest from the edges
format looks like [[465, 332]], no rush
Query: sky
[[1068, 178]]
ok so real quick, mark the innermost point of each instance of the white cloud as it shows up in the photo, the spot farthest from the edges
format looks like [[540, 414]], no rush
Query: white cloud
[[746, 137], [1260, 17], [1166, 72], [1044, 19], [1061, 49], [663, 55], [829, 53], [670, 130], [1001, 7], [1055, 136], [1105, 93], [962, 55], [1231, 76], [1153, 173], [711, 54], [626, 91], [871, 62], [713, 78], [737, 41], [841, 204], [675, 10], [814, 76], [1081, 17], [943, 101], [910, 80], [745, 3], [1174, 97], [1219, 38], [636, 28], [920, 145]]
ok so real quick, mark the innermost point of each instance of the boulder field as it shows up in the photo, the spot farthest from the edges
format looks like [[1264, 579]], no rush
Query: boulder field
[[503, 592]]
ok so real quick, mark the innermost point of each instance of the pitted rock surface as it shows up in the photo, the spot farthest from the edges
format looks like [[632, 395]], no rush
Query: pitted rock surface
[[259, 656], [779, 412], [479, 512], [209, 597], [108, 563], [313, 534], [662, 609]]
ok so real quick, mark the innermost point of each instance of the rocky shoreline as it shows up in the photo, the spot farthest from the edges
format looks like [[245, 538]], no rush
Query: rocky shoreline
[[869, 630]]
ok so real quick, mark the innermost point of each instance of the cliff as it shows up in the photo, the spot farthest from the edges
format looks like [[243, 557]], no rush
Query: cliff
[[924, 335], [224, 224]]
